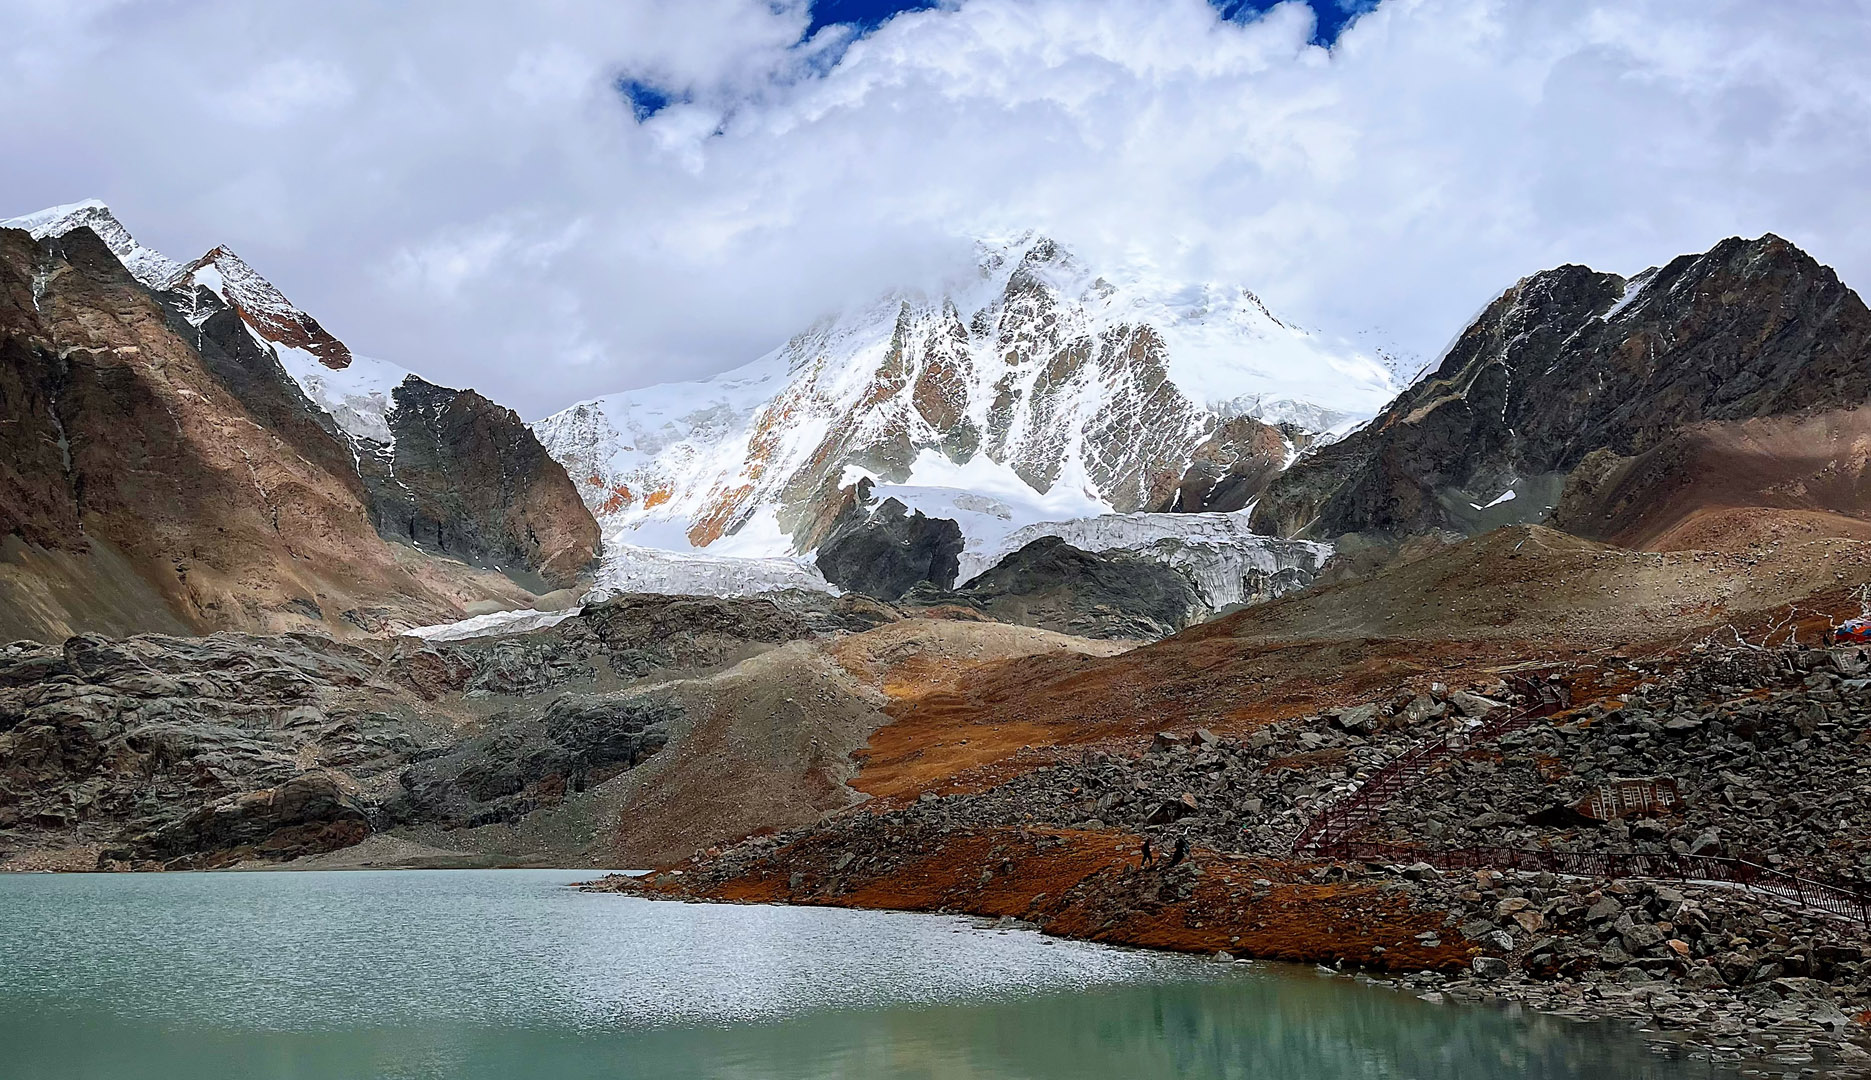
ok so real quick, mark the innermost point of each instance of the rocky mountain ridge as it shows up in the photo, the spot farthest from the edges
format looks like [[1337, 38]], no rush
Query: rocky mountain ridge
[[1570, 363], [202, 751], [168, 469]]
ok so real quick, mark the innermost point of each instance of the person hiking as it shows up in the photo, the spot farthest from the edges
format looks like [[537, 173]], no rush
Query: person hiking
[[1181, 852], [1148, 855]]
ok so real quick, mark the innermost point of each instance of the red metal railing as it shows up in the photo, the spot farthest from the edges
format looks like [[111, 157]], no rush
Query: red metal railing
[[1328, 835]]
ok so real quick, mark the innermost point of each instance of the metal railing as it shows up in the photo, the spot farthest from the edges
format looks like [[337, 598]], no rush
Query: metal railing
[[1361, 807]]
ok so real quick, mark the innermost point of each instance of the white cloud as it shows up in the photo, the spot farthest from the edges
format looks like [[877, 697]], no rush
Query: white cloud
[[463, 191], [286, 89]]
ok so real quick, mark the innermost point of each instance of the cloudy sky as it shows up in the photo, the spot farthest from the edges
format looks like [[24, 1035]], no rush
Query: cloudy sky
[[553, 200]]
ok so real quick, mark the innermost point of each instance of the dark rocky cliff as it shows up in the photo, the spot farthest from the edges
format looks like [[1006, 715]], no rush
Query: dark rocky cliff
[[887, 551], [1570, 361], [467, 478], [1055, 586]]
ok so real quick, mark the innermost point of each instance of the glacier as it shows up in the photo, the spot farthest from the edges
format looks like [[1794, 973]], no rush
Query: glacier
[[498, 623], [630, 569], [1230, 564]]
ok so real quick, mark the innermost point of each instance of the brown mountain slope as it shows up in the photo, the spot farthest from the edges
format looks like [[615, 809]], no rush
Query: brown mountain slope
[[145, 459], [1812, 466]]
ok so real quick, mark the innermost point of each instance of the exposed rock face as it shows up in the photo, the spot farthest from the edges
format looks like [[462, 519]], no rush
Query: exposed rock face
[[261, 306], [132, 452], [194, 748], [886, 552], [466, 477], [307, 815], [1055, 586], [505, 775], [1572, 361], [1232, 467], [163, 469]]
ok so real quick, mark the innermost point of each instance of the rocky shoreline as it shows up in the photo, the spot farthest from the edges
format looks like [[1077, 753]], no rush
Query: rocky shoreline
[[1787, 1025], [1184, 843]]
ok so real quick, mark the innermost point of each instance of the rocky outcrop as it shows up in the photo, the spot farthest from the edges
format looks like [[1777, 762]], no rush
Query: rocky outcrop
[[261, 306], [465, 477], [163, 748], [1233, 466], [309, 814], [887, 551], [579, 741], [1572, 361], [1055, 586]]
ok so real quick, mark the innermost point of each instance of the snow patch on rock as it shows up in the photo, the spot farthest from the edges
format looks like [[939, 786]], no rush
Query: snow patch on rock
[[358, 397]]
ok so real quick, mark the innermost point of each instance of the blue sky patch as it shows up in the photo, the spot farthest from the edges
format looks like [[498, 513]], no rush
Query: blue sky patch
[[868, 15], [1333, 15], [645, 99], [865, 15]]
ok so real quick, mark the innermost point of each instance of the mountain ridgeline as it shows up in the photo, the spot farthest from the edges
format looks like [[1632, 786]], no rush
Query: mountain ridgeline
[[1040, 388], [163, 468], [1544, 403]]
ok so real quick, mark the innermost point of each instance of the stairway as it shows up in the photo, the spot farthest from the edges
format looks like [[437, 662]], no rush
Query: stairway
[[1334, 825]]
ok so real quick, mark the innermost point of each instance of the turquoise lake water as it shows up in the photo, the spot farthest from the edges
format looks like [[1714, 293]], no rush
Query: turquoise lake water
[[509, 974]]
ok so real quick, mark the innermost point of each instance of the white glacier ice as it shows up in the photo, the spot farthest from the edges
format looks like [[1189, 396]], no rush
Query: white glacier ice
[[1229, 563], [629, 569], [499, 622]]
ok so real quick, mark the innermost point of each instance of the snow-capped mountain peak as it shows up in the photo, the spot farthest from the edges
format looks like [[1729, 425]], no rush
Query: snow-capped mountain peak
[[264, 308], [273, 318], [150, 267], [1060, 390]]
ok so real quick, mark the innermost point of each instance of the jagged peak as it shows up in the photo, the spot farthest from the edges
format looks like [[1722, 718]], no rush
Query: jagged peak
[[261, 305], [154, 269]]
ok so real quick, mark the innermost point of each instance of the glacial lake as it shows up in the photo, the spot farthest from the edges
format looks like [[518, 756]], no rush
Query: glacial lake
[[509, 974]]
